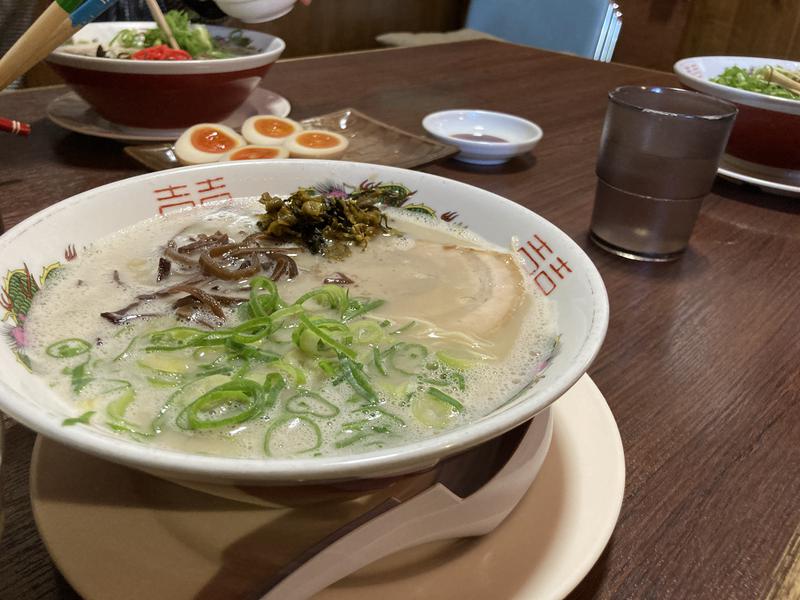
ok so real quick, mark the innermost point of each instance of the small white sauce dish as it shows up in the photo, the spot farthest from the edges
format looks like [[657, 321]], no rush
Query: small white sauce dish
[[484, 137]]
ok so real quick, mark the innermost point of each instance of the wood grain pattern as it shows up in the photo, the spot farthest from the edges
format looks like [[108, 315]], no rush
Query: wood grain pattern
[[786, 578], [743, 28], [346, 25], [700, 362], [651, 32]]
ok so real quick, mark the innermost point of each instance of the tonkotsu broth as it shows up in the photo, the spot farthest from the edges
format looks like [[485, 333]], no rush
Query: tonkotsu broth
[[444, 289]]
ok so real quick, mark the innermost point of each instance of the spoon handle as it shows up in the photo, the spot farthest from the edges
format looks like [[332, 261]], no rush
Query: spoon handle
[[388, 528]]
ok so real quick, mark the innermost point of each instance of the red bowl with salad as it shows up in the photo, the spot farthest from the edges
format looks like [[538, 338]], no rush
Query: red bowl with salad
[[127, 72], [767, 93]]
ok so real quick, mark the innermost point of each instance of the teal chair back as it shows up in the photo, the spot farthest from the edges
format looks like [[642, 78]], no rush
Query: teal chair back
[[588, 28]]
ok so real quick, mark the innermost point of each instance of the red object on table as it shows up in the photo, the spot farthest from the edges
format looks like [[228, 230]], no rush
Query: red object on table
[[161, 52], [15, 127], [163, 101]]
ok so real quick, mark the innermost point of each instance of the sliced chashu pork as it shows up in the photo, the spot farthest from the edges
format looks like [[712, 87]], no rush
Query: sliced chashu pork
[[475, 291]]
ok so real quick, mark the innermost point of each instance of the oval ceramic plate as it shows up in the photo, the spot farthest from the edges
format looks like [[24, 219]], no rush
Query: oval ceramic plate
[[371, 141], [71, 112], [556, 266], [782, 182], [217, 548]]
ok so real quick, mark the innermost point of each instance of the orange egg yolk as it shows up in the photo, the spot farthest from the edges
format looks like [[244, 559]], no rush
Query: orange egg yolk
[[254, 153], [273, 128], [317, 140], [208, 139]]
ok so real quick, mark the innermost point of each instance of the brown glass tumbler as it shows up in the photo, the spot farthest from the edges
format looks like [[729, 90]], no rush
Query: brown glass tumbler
[[659, 155]]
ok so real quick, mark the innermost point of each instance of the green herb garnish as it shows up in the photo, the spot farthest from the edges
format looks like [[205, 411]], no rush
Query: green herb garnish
[[758, 80]]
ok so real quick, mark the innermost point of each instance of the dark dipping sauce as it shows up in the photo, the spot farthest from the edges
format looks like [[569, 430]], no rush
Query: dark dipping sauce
[[472, 137]]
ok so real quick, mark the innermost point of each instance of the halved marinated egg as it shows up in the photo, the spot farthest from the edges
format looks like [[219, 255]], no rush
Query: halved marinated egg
[[267, 130], [252, 152], [206, 142], [316, 143]]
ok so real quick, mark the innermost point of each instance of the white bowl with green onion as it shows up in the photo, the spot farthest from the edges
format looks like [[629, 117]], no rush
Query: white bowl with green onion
[[744, 80], [33, 252], [767, 127]]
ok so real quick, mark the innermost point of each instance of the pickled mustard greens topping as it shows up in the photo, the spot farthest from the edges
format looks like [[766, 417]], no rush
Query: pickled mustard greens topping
[[291, 366], [329, 222], [772, 81]]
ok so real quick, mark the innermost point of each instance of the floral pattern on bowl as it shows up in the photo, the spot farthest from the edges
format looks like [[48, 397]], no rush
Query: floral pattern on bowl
[[16, 295]]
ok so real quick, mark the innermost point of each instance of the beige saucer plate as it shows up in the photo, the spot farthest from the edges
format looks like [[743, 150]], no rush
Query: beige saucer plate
[[119, 534], [71, 112]]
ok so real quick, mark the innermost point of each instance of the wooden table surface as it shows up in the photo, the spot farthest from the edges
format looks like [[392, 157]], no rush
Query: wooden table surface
[[700, 365]]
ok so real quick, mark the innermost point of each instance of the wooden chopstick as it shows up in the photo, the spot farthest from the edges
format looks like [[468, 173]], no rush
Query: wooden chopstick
[[52, 25], [60, 21], [155, 10]]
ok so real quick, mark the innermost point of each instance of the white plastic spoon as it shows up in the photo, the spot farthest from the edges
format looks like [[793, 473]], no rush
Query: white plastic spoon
[[474, 492]]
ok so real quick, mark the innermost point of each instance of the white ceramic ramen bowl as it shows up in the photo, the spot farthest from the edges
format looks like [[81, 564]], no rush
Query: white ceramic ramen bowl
[[31, 251], [484, 137]]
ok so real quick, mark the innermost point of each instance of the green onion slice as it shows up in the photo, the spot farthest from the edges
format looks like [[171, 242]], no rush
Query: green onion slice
[[295, 373], [455, 362], [79, 376], [291, 435], [253, 330], [376, 422], [178, 338], [408, 358], [329, 296], [310, 403], [227, 404], [121, 394], [85, 418], [377, 358], [68, 348], [326, 338], [273, 385], [357, 307], [366, 331], [263, 304], [354, 375], [434, 408]]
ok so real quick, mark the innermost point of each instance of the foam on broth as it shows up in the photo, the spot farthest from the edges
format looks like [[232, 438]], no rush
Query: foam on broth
[[462, 294]]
